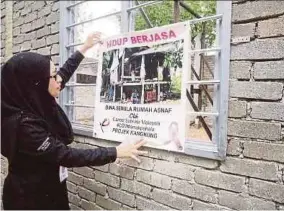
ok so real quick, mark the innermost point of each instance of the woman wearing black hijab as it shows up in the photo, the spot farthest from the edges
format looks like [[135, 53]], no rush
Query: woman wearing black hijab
[[35, 132]]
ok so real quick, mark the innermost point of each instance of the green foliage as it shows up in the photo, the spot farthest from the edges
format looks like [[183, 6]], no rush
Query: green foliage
[[176, 84], [162, 14]]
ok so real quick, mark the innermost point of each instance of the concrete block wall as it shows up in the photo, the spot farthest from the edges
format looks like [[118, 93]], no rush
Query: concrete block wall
[[3, 35], [251, 177]]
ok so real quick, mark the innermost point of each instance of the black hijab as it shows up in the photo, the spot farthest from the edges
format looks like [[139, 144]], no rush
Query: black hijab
[[24, 89]]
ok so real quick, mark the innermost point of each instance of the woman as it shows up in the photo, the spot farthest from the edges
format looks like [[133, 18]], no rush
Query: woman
[[36, 132]]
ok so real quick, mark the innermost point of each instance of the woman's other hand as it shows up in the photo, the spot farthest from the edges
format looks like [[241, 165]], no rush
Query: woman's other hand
[[130, 150], [92, 40]]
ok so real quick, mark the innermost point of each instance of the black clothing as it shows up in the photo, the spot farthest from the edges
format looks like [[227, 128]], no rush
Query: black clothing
[[35, 134]]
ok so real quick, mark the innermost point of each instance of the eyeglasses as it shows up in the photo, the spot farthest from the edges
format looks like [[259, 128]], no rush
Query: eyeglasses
[[53, 76]]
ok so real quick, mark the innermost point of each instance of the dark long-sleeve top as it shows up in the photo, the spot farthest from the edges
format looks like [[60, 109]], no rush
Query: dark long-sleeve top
[[33, 181]]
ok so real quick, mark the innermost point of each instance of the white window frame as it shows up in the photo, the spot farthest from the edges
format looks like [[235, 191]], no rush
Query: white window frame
[[222, 64]]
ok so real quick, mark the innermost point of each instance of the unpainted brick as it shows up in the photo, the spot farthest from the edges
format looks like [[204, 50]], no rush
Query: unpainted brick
[[44, 51], [267, 110], [251, 168], [220, 180], [38, 5], [269, 70], [259, 49], [31, 17], [234, 147], [172, 169], [86, 194], [55, 6], [55, 49], [271, 27], [72, 187], [54, 28], [136, 187], [84, 171], [239, 202], [19, 5], [107, 179], [87, 205], [30, 36], [103, 168], [121, 196], [170, 199], [52, 18], [38, 23], [74, 199], [265, 151], [123, 171], [194, 190], [52, 39], [26, 27], [198, 205], [43, 32], [237, 109], [26, 46], [252, 10], [107, 203], [154, 179], [94, 186], [256, 90], [196, 161], [240, 69], [267, 190], [251, 129], [26, 11], [146, 204], [74, 207], [243, 30], [45, 11]]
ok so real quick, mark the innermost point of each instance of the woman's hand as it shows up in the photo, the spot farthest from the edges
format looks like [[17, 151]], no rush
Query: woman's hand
[[130, 150], [91, 40]]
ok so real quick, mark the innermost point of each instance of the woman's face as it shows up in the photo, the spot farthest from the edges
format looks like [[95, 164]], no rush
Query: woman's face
[[54, 81]]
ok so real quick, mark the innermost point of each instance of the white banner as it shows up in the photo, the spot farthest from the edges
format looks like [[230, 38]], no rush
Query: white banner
[[140, 87]]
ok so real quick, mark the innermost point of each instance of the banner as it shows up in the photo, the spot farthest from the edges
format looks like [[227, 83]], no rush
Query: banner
[[140, 93]]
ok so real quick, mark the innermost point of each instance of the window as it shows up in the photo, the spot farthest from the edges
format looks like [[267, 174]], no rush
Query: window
[[208, 75]]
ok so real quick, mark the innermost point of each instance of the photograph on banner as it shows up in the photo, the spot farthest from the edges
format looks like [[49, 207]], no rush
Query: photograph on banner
[[140, 87], [141, 75]]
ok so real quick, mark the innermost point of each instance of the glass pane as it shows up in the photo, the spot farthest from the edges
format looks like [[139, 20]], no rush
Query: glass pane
[[202, 98], [84, 116], [84, 95], [94, 9], [161, 14]]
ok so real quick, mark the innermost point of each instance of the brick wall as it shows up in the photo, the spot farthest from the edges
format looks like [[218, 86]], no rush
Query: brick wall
[[3, 36], [252, 177]]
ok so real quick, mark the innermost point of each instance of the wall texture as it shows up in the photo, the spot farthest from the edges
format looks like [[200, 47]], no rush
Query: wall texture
[[252, 177]]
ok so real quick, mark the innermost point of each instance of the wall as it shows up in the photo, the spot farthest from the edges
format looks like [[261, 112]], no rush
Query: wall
[[252, 177]]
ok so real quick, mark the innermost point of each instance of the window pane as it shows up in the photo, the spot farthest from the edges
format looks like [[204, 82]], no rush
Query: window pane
[[161, 14], [93, 9], [84, 96], [200, 128]]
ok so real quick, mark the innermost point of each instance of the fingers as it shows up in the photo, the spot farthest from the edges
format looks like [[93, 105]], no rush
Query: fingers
[[140, 143], [135, 158]]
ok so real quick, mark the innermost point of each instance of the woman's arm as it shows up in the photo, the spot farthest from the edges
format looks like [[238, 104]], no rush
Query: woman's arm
[[69, 67], [37, 142]]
